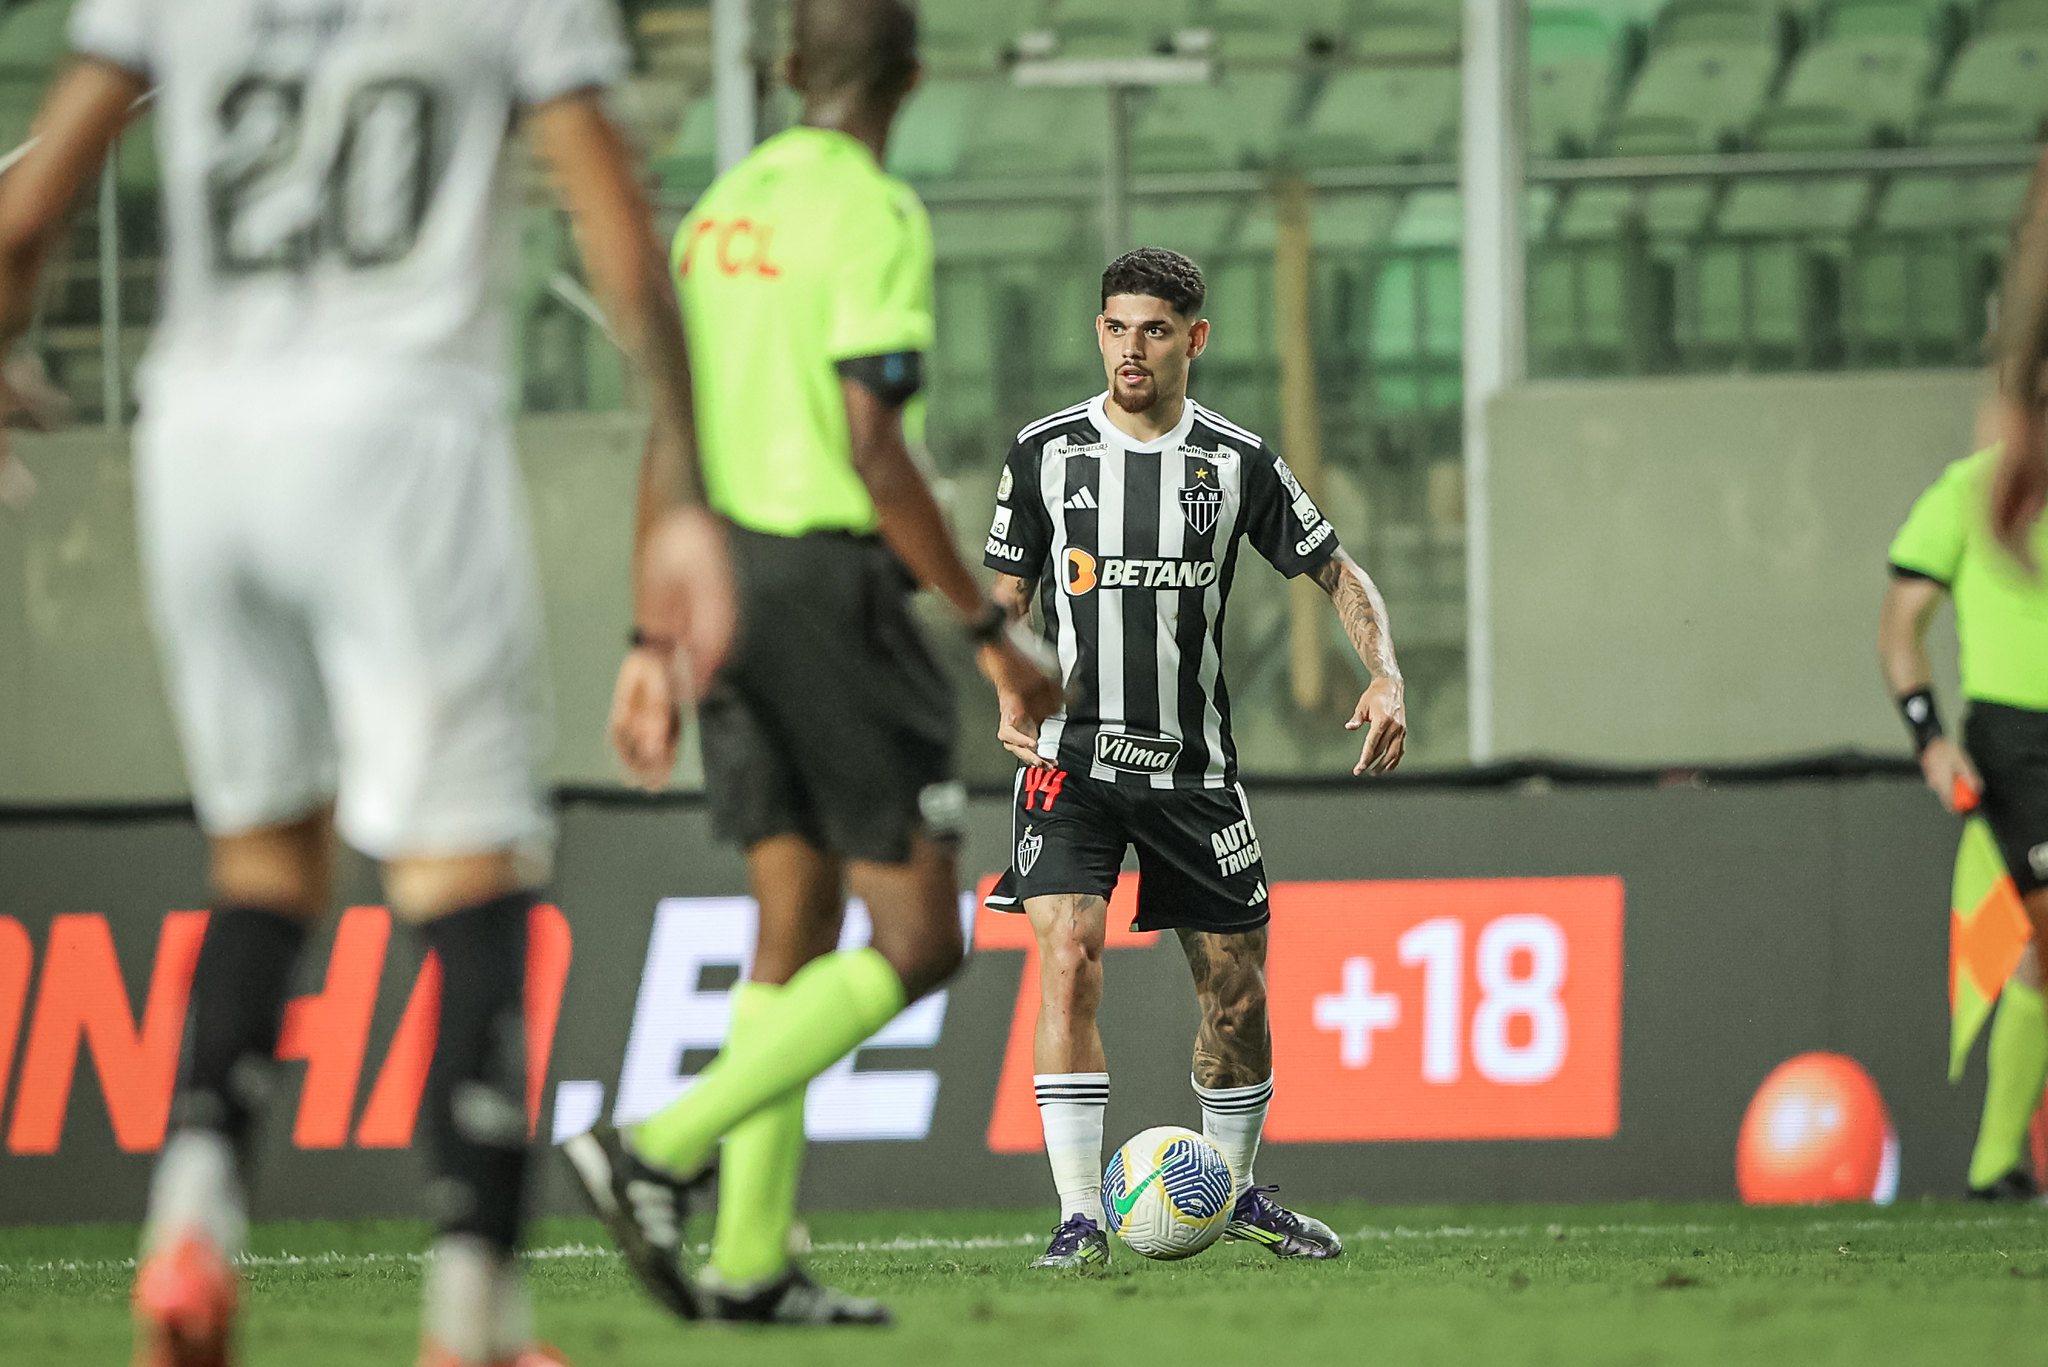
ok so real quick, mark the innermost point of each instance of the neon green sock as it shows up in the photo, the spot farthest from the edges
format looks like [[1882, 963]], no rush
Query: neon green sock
[[2016, 1062], [826, 1010], [758, 1165]]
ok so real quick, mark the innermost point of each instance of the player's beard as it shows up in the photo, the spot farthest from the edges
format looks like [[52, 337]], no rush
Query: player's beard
[[1135, 398]]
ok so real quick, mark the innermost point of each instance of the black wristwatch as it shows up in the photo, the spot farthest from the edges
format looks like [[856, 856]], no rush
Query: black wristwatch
[[639, 638], [988, 629]]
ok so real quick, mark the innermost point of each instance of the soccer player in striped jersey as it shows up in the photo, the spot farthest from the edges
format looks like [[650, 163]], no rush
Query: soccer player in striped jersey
[[1123, 517], [336, 546]]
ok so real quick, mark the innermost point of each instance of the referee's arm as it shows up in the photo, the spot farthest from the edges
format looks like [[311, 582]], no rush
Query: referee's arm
[[916, 531], [1910, 602]]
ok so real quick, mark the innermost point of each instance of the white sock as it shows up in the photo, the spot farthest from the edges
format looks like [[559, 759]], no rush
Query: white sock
[[195, 1187], [1232, 1118], [1070, 1105], [476, 1305]]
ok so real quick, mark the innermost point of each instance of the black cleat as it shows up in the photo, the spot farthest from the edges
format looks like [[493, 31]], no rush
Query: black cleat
[[2015, 1188], [792, 1299], [1078, 1243], [643, 1208], [1259, 1219]]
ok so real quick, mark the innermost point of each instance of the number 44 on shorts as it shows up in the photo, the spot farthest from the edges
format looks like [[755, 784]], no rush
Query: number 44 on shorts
[[1042, 786]]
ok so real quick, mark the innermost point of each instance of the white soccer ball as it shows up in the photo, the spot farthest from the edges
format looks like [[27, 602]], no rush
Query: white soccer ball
[[1166, 1193]]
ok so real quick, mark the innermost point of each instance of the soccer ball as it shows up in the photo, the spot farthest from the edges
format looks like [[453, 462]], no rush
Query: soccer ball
[[1166, 1193]]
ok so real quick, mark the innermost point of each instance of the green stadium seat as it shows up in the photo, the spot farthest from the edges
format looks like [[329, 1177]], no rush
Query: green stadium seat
[[1417, 307], [1023, 131], [1196, 228], [1571, 64], [1744, 307], [1383, 114], [968, 349], [1337, 223], [1710, 64], [1403, 28], [1809, 128], [1577, 311], [970, 32], [1658, 135], [1946, 124], [1235, 123], [1272, 30], [1831, 205], [930, 136], [2014, 16], [1871, 66], [2003, 68], [1952, 203], [1907, 302], [1599, 212]]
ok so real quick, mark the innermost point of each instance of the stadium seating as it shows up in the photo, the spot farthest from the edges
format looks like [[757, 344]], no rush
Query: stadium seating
[[1861, 81], [1234, 123], [1709, 65], [1572, 60]]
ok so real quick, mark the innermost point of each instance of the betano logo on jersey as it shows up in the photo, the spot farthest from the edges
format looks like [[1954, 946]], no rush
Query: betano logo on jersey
[[1086, 573]]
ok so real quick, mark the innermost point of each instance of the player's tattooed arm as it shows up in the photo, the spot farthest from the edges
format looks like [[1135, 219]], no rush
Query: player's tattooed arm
[[1382, 708], [1016, 729], [2020, 487]]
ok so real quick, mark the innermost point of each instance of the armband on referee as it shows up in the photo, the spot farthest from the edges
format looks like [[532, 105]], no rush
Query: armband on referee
[[1923, 719], [991, 626]]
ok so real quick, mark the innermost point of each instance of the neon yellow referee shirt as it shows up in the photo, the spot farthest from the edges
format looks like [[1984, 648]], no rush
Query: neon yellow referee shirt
[[805, 254], [2001, 615]]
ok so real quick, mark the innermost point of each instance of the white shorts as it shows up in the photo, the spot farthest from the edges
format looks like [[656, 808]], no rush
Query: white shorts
[[346, 605]]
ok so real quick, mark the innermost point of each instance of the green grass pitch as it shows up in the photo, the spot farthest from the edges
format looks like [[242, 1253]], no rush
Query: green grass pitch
[[1637, 1284]]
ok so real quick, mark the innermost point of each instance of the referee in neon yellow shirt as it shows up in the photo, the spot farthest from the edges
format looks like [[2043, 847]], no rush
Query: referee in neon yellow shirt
[[805, 275], [1947, 548]]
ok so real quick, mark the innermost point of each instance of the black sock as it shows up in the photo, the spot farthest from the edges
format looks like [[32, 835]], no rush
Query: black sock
[[475, 1107], [238, 996]]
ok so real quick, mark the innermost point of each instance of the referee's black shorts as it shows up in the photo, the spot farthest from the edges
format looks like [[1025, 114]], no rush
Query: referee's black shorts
[[2009, 746], [1199, 863], [831, 721]]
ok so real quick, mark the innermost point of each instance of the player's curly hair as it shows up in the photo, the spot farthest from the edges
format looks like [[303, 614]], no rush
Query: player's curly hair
[[1159, 273]]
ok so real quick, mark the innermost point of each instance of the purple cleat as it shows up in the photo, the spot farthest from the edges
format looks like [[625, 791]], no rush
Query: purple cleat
[[1079, 1242], [1259, 1219]]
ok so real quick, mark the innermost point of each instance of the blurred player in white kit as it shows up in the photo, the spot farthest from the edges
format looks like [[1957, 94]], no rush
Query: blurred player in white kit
[[336, 544]]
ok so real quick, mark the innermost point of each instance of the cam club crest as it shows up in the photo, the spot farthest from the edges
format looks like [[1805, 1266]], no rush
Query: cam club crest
[[1202, 501], [1027, 850]]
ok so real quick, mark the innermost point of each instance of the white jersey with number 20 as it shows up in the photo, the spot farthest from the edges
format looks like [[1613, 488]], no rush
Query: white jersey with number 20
[[332, 169]]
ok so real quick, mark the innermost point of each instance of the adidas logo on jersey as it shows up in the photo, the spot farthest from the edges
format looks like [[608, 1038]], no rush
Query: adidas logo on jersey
[[1082, 500]]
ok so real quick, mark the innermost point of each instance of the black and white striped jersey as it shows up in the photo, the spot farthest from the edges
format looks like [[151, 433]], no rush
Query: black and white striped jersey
[[1133, 547]]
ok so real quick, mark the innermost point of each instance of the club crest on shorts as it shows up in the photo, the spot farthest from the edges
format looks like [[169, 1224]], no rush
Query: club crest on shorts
[[1027, 850], [1202, 501]]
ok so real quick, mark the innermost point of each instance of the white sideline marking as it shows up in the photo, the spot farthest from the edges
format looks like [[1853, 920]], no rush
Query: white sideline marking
[[2032, 1220]]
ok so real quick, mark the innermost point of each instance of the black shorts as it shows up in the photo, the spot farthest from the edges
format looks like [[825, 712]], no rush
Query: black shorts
[[2009, 746], [1199, 866], [831, 721]]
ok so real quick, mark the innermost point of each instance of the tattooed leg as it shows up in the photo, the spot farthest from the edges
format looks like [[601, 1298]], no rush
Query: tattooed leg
[[1234, 1047]]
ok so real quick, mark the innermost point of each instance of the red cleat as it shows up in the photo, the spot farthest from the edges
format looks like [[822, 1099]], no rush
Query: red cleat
[[185, 1299]]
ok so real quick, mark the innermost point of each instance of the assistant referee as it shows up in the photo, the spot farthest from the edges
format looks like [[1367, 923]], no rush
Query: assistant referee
[[1946, 547], [806, 281]]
